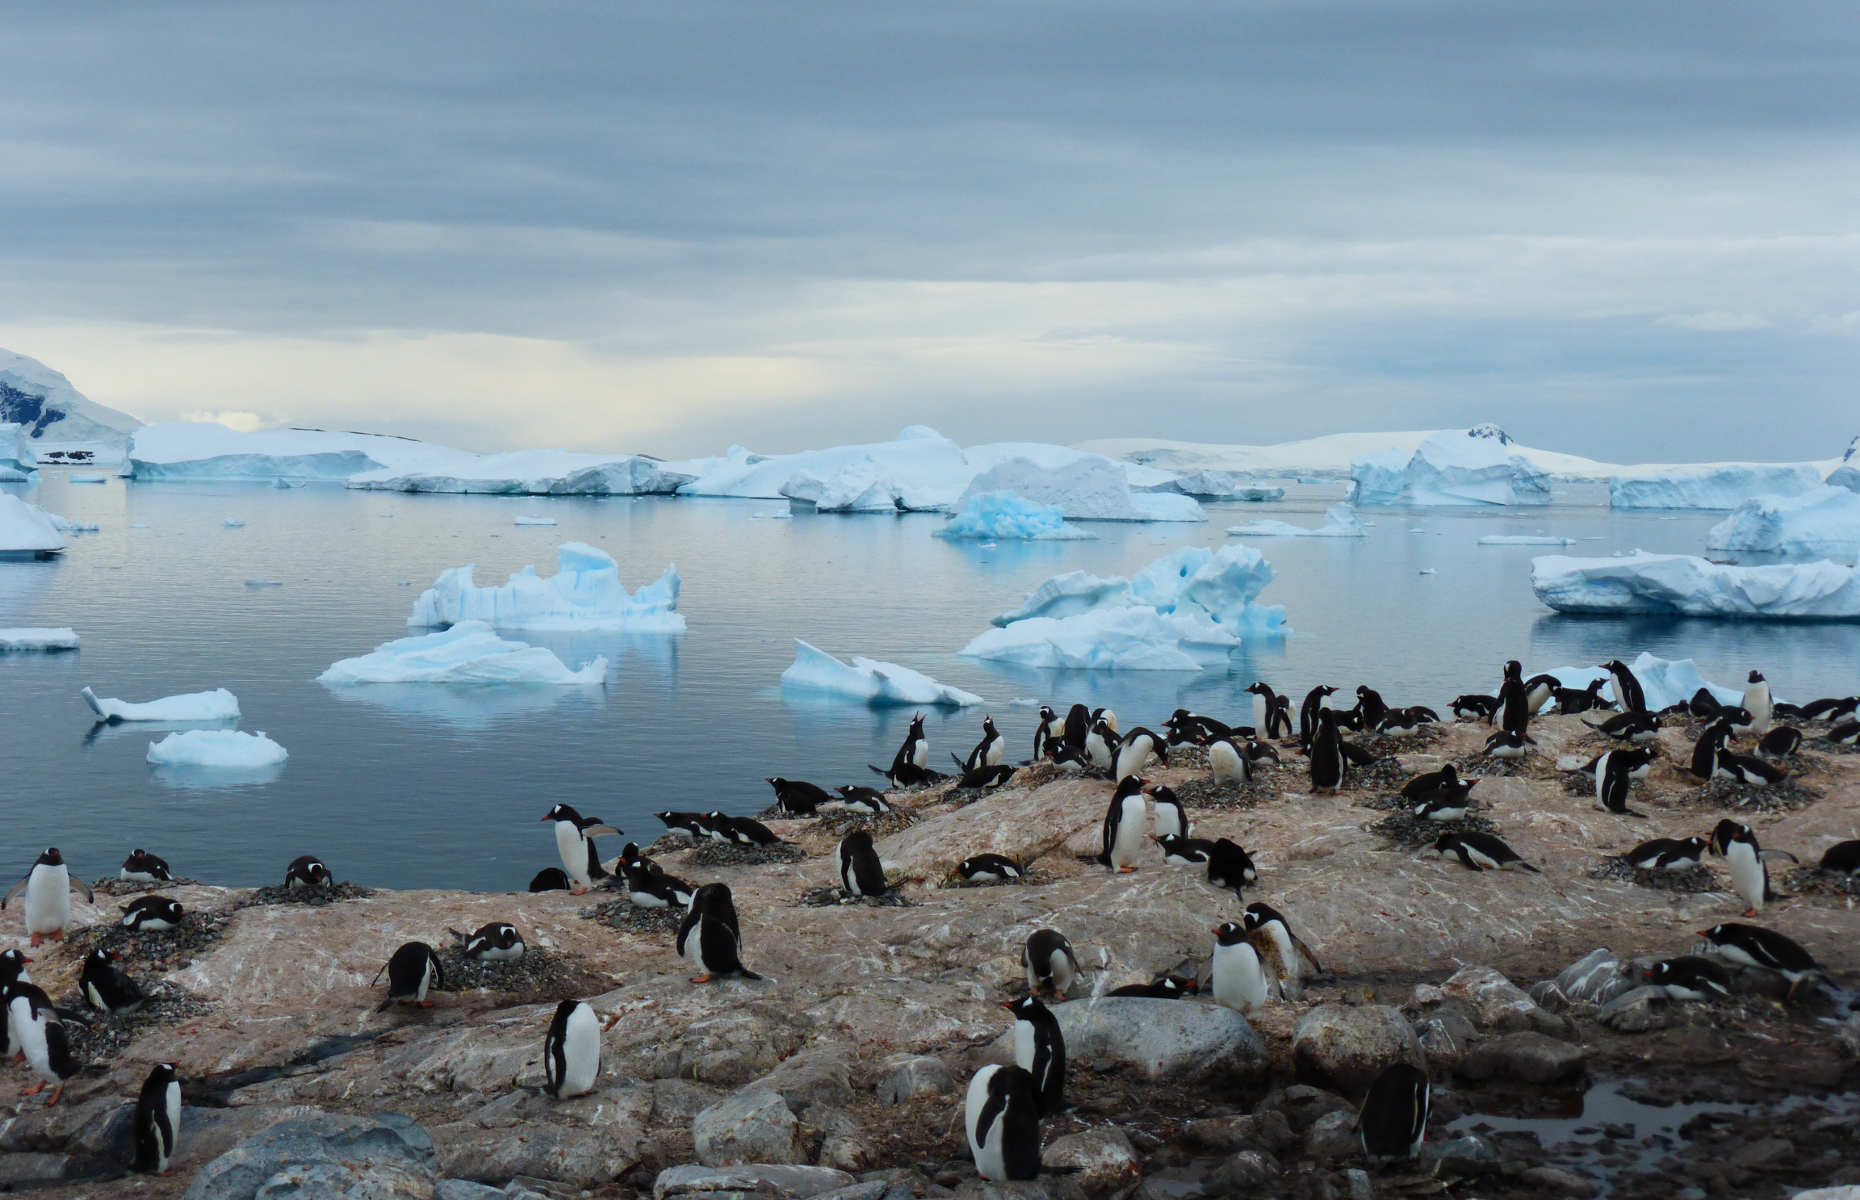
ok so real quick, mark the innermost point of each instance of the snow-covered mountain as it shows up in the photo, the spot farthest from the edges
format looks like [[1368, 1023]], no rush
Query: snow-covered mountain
[[51, 410]]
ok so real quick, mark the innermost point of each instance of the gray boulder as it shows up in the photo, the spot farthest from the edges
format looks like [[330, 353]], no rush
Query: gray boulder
[[1495, 1003], [1346, 1048], [750, 1181], [906, 1077], [749, 1127], [1099, 1160], [1333, 1138], [324, 1155], [1524, 1057], [1164, 1039], [1638, 1011], [1595, 978]]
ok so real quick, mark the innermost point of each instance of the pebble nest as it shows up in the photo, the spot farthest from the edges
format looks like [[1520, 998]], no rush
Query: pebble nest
[[541, 974], [1383, 773], [1783, 796], [1534, 765], [315, 897], [628, 917], [1406, 743], [112, 886], [840, 823], [826, 897], [1410, 832], [712, 853], [1213, 795], [1813, 881], [1029, 878], [152, 951], [1693, 879], [109, 1034]]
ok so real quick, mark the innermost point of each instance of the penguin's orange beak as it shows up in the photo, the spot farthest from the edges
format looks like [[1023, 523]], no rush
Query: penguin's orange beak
[[1007, 1004], [1216, 931], [542, 818]]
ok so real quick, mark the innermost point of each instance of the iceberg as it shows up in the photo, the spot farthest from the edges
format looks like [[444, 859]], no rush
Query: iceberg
[[216, 705], [525, 473], [1220, 485], [1473, 466], [1823, 523], [585, 593], [1184, 612], [1340, 520], [28, 530], [996, 515], [1665, 681], [224, 749], [1847, 473], [869, 680], [1314, 459], [28, 639], [17, 461], [1689, 586], [1710, 485], [208, 450], [87, 479], [1087, 489], [860, 487], [468, 652], [528, 520], [1525, 539]]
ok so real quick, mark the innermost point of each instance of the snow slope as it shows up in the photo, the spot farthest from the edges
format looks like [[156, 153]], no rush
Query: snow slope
[[468, 652], [1823, 523], [585, 593], [866, 679], [1688, 586], [52, 411]]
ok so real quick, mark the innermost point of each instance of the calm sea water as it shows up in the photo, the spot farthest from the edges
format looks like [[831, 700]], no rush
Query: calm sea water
[[423, 786]]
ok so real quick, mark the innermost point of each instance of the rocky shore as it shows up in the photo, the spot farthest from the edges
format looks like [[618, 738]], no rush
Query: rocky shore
[[840, 1074]]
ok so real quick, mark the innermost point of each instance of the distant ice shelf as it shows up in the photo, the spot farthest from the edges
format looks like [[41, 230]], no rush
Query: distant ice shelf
[[1473, 466], [1710, 485], [869, 680], [1690, 586], [470, 652], [585, 593], [216, 705]]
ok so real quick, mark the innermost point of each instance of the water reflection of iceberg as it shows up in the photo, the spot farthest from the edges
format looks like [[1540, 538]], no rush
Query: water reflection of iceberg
[[475, 706], [105, 731], [195, 778]]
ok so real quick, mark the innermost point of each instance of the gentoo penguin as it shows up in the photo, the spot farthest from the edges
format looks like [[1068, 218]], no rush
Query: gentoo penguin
[[1753, 771], [1228, 762], [712, 900], [574, 842], [1002, 1114], [1134, 751], [39, 1037], [1230, 866], [1040, 1050], [1570, 701], [104, 987], [691, 824], [1847, 733], [549, 879], [307, 871], [1370, 707], [1429, 782], [572, 1050], [1628, 695], [152, 912], [711, 936], [1171, 817], [1308, 712], [48, 887], [1258, 752], [1263, 697], [1538, 691], [1239, 978], [1614, 774], [990, 868], [1077, 727], [1514, 714], [647, 886], [1758, 703], [1105, 715], [143, 867], [1051, 726], [862, 799], [1830, 708], [1780, 742], [1480, 852], [411, 970], [1691, 977], [1637, 726], [1402, 720], [915, 750], [739, 831], [985, 778], [797, 796], [1328, 764], [496, 942], [1447, 804], [1393, 1120], [989, 751], [861, 874], [1842, 858], [158, 1120], [1101, 745], [1474, 706], [1183, 851], [1126, 825], [1296, 963], [1702, 705], [1507, 744], [1754, 946], [1736, 843], [1667, 854], [1051, 965], [13, 961], [1708, 752]]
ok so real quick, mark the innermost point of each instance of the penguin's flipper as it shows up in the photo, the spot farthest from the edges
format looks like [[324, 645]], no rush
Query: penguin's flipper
[[16, 890], [959, 763], [82, 889], [598, 831], [377, 979], [1769, 854], [1299, 948]]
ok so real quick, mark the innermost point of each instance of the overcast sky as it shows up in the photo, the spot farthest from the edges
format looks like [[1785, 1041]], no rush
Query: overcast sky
[[1628, 231]]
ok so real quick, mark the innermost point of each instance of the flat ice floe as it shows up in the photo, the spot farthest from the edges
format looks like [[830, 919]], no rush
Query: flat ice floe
[[218, 749], [866, 679], [991, 516], [1525, 539], [216, 705], [468, 652], [1823, 523], [1472, 466], [1690, 586], [1185, 611], [29, 640], [1340, 520], [28, 529], [585, 593], [525, 519], [1710, 485]]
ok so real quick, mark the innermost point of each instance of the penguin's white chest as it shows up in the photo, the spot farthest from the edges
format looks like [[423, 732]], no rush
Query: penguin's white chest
[[1757, 704], [985, 1145], [28, 1028], [1259, 716], [1746, 873], [1127, 846], [581, 1051], [48, 899], [1228, 764], [1099, 750], [1169, 821], [993, 753], [1239, 977], [1134, 757], [573, 849], [920, 752], [1023, 1044]]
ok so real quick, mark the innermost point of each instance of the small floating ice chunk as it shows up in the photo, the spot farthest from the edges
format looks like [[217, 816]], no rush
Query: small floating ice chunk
[[1429, 571], [585, 593], [220, 749], [1339, 521], [234, 523], [525, 519], [1025, 702], [869, 680], [87, 478], [990, 515], [1525, 539], [216, 705], [25, 639], [264, 583], [469, 652]]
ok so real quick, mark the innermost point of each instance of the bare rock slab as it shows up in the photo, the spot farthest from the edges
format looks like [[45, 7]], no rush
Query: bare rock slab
[[905, 1077], [749, 1181], [325, 1155], [1164, 1039], [750, 1127], [1525, 1058], [1100, 1160], [1346, 1048]]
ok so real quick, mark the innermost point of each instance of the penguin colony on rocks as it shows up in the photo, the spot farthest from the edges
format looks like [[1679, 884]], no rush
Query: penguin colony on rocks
[[1252, 961]]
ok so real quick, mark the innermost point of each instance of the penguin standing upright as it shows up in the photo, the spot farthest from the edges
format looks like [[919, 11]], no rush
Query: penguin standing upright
[[1370, 707], [1126, 825], [989, 751], [1736, 843], [861, 873], [915, 751], [1296, 961], [711, 937], [574, 843], [1101, 745], [39, 1036], [1708, 756], [1171, 817], [1040, 1050], [158, 1119], [572, 1050], [1002, 1115], [1308, 712], [1052, 727], [1758, 703], [411, 970], [1264, 705], [1628, 694], [1393, 1120], [1134, 751], [1240, 980], [1614, 776], [1328, 765], [48, 887], [1051, 965], [1514, 712]]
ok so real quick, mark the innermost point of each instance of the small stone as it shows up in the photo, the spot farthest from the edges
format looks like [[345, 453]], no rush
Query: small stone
[[1468, 1155], [1333, 1138], [908, 1077], [1755, 1154], [1100, 1159], [1247, 1172], [1303, 1104], [1555, 1181], [749, 1127], [1637, 1011], [753, 1181], [25, 1169], [1361, 1187]]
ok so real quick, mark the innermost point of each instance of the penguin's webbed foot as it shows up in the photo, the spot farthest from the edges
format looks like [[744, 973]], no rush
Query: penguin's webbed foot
[[57, 935], [1126, 870], [56, 1093], [426, 1004], [35, 1089], [700, 979], [37, 938], [611, 1022], [1750, 912]]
